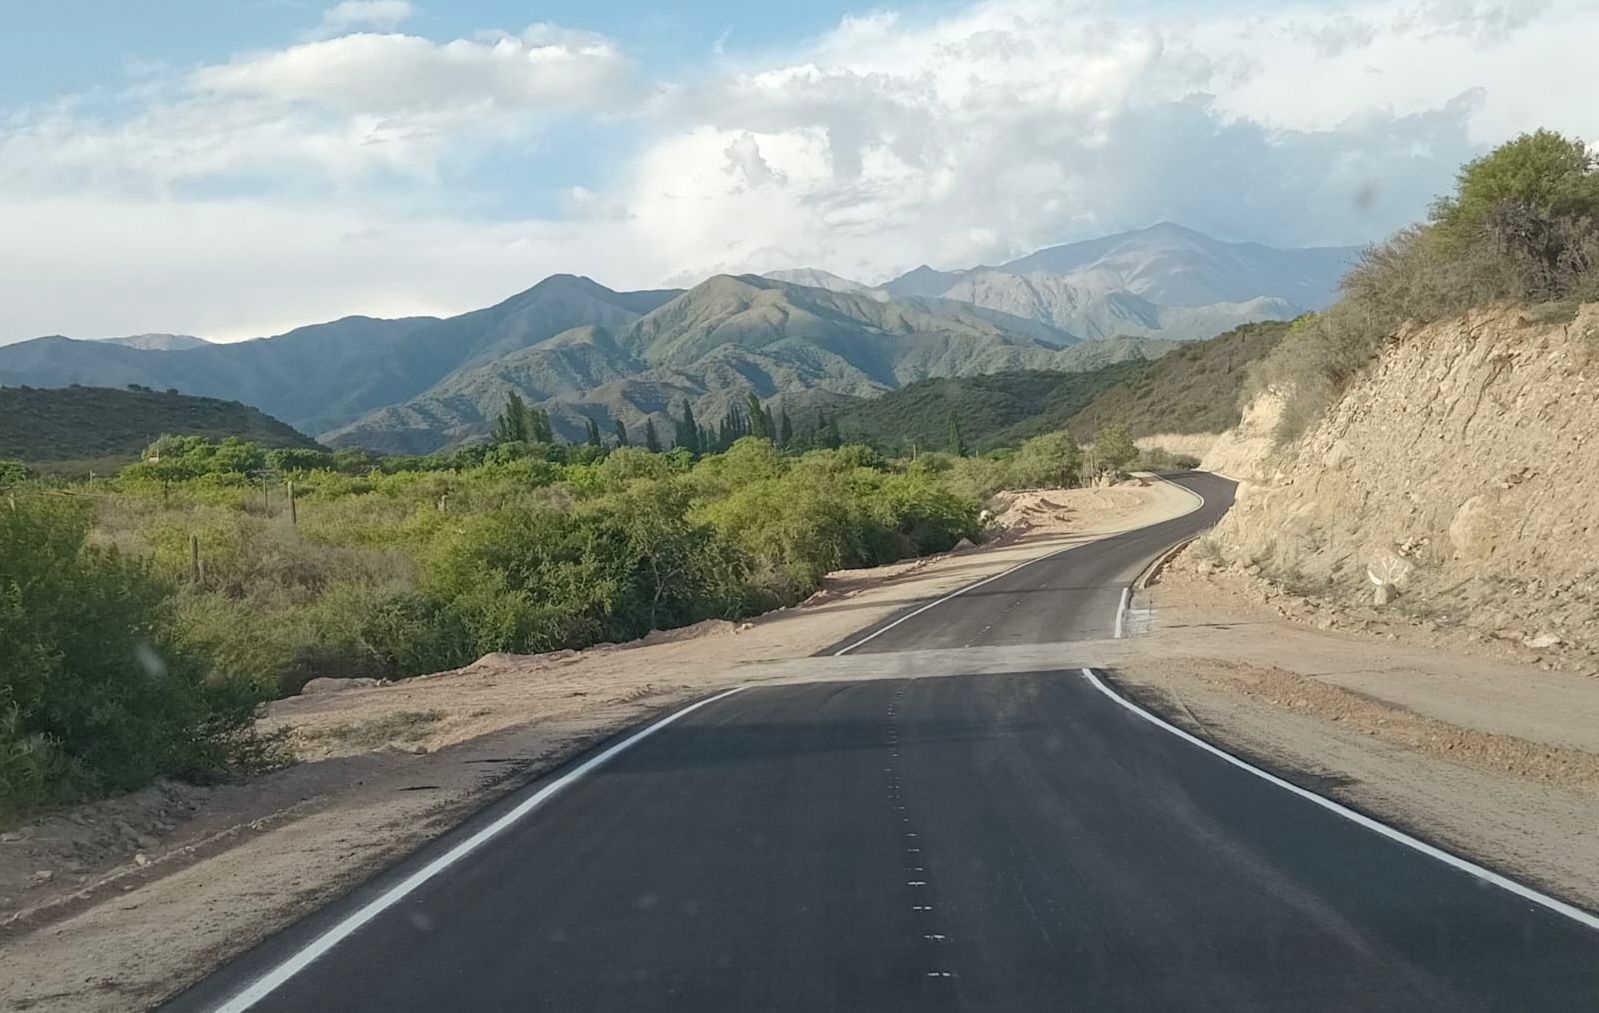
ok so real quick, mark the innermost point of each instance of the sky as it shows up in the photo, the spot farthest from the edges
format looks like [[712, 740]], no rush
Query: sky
[[236, 168]]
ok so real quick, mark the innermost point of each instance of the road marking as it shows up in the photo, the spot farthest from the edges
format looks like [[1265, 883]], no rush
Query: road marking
[[1005, 573], [269, 982], [953, 594], [1121, 610], [1521, 890]]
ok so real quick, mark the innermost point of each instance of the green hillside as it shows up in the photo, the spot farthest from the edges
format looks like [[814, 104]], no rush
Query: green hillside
[[104, 427], [1193, 389], [1000, 409]]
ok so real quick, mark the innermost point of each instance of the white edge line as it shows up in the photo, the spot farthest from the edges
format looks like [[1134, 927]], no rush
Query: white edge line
[[267, 983], [1005, 573], [1121, 609], [1521, 890]]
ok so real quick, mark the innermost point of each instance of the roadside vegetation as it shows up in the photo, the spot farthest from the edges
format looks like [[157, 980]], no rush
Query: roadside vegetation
[[1521, 227], [144, 617]]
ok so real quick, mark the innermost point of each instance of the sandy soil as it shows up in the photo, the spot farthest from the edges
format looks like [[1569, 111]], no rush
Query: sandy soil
[[117, 905]]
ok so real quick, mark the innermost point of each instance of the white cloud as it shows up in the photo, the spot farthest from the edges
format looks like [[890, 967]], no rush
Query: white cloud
[[234, 269], [381, 14], [318, 179], [384, 74]]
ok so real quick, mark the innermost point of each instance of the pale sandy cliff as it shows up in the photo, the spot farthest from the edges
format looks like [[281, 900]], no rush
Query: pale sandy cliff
[[1463, 467]]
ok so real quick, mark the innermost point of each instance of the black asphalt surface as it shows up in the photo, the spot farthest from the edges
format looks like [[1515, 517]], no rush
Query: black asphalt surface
[[1069, 596], [995, 842]]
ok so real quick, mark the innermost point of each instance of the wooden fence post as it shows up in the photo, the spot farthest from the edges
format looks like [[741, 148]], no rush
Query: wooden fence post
[[294, 514], [194, 558]]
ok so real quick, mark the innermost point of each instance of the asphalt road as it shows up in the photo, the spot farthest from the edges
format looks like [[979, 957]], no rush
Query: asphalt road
[[995, 842]]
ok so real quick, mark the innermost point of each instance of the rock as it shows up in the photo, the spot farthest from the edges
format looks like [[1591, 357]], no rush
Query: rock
[[330, 685], [141, 859], [964, 543], [1542, 641], [42, 877], [10, 838], [1382, 595], [744, 626]]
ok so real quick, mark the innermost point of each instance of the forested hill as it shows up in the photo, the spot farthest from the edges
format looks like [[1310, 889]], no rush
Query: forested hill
[[110, 426], [1193, 389], [999, 409]]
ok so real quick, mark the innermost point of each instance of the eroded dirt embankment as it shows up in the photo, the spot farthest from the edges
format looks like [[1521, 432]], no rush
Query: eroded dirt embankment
[[1461, 469]]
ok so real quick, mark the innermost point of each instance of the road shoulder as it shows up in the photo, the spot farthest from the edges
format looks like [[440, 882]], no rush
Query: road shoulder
[[1494, 760]]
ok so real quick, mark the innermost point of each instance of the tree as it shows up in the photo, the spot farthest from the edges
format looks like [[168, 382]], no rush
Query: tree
[[957, 443], [1542, 173], [785, 430], [688, 431], [621, 434], [652, 442], [1113, 448], [594, 434], [539, 428], [760, 419], [511, 426]]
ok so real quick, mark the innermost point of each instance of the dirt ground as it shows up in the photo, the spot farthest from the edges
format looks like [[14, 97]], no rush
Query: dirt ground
[[117, 905], [1488, 755]]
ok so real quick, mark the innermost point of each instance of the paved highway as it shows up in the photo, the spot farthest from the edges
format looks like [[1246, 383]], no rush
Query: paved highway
[[996, 842]]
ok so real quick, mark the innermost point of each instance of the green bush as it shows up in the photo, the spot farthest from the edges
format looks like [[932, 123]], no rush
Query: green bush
[[1048, 461], [1522, 226], [95, 692]]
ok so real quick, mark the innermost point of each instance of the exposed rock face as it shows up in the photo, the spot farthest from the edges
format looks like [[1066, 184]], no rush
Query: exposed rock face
[[1470, 450]]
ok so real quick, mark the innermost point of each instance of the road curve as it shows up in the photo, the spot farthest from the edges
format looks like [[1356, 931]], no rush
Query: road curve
[[995, 842]]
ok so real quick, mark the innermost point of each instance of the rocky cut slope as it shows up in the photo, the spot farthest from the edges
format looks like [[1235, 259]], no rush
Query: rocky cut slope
[[1459, 472]]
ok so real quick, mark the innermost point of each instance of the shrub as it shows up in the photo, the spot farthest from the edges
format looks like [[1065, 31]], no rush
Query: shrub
[[95, 692], [1522, 226], [1051, 460]]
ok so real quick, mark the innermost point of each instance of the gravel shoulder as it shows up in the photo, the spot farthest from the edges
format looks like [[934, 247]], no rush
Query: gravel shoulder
[[120, 904]]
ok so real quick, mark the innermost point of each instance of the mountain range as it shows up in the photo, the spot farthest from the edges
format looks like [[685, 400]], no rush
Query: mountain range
[[583, 351], [1165, 280]]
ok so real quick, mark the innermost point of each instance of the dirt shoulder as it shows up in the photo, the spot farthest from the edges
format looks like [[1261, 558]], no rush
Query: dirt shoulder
[[1486, 754], [117, 905]]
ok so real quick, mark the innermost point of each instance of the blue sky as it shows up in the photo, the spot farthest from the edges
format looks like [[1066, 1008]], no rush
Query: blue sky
[[235, 168]]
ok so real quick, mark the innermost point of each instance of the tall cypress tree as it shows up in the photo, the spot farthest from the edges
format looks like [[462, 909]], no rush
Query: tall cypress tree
[[652, 442], [688, 431], [785, 431], [538, 427], [957, 443], [621, 434], [594, 434], [511, 426], [760, 422]]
